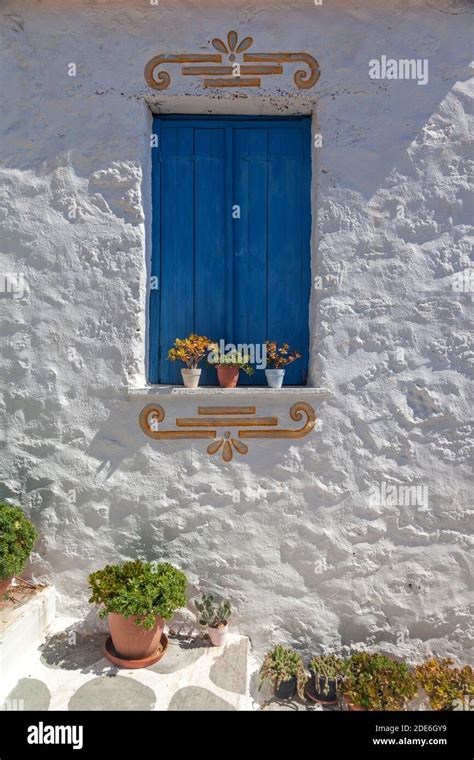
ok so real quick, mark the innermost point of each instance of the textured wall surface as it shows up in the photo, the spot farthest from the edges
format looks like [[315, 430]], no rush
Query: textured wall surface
[[292, 532]]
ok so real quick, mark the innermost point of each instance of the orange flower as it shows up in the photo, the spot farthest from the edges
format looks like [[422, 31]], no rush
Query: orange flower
[[280, 357], [190, 350]]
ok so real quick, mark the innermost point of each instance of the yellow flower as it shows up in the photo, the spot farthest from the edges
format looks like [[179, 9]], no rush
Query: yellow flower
[[190, 350]]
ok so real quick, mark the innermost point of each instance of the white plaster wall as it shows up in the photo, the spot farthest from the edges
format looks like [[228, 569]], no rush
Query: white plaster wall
[[304, 556]]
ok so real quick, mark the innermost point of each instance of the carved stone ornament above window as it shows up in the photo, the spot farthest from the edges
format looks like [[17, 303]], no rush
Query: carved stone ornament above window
[[211, 418], [232, 66]]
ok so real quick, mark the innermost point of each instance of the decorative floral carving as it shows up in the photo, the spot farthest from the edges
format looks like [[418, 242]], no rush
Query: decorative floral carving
[[232, 42], [245, 69], [152, 416], [227, 442]]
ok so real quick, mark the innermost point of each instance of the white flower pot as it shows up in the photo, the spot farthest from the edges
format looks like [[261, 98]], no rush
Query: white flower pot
[[191, 377], [275, 377], [218, 635]]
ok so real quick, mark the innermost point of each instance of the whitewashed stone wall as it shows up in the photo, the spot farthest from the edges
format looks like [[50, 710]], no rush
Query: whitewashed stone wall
[[288, 532]]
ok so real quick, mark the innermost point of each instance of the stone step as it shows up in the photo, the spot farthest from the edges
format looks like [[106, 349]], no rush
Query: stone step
[[69, 672], [25, 617]]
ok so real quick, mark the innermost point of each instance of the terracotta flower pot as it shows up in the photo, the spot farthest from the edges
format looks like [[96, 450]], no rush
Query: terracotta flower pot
[[190, 377], [228, 375], [5, 585], [132, 641], [218, 635]]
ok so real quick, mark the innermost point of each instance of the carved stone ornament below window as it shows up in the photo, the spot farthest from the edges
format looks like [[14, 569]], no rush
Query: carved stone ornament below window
[[211, 418]]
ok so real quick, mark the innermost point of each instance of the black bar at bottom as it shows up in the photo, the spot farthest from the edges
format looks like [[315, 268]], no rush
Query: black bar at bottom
[[364, 734]]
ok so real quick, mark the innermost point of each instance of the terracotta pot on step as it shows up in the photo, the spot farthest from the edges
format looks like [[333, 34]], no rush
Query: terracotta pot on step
[[228, 375], [132, 641], [218, 635], [5, 585]]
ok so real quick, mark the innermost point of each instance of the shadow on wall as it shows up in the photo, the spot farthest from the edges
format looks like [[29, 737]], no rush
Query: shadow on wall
[[367, 132]]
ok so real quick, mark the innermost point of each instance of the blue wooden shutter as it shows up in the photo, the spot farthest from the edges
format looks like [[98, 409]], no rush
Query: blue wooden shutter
[[188, 242], [271, 240], [243, 280]]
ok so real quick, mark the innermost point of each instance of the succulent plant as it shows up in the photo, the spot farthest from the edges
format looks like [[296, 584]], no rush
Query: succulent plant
[[141, 589], [328, 667], [281, 665], [233, 358], [280, 356], [445, 686], [190, 350], [376, 682], [213, 613], [17, 538]]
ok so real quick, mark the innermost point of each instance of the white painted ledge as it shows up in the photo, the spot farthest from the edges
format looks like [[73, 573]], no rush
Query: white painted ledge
[[22, 629], [293, 392]]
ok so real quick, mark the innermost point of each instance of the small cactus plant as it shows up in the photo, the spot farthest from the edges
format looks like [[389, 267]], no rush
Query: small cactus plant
[[213, 613], [281, 665], [328, 673]]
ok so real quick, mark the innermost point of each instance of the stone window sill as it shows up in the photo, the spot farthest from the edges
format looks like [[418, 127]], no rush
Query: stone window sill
[[175, 391]]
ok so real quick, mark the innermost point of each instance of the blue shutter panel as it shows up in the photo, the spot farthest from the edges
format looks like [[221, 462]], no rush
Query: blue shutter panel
[[209, 238], [190, 238], [250, 241], [271, 241], [287, 304], [177, 243]]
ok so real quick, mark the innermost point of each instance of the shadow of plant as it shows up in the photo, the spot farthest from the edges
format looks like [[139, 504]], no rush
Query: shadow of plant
[[81, 651], [73, 650], [188, 641], [183, 651]]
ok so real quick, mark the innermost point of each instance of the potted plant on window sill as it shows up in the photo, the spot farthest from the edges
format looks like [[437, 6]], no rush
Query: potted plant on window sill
[[17, 538], [215, 615], [327, 675], [191, 351], [376, 682], [228, 365], [285, 670], [137, 597], [447, 688], [278, 359]]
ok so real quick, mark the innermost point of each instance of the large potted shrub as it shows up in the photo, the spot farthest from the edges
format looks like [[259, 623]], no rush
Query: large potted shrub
[[17, 538], [447, 688], [376, 682], [191, 351], [327, 675], [284, 669], [137, 597], [215, 615]]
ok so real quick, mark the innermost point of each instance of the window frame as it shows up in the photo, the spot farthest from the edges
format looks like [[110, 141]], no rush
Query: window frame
[[215, 121]]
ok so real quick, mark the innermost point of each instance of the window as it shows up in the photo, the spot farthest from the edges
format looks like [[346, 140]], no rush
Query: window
[[230, 237]]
